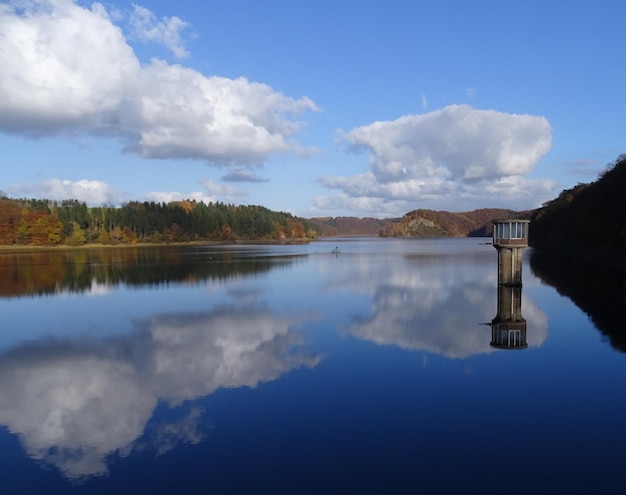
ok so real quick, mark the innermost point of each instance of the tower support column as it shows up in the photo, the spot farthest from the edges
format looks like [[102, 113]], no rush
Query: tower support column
[[510, 265]]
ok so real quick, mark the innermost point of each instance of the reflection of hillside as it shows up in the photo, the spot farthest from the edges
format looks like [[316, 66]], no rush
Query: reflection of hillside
[[597, 289], [49, 272], [74, 403]]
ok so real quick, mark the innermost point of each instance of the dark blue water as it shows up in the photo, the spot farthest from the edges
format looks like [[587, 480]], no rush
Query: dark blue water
[[293, 369]]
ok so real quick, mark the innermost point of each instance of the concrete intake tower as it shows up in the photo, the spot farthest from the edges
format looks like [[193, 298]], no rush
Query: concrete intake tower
[[508, 328], [510, 237]]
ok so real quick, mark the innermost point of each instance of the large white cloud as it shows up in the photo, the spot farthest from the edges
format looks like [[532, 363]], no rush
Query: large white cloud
[[214, 192], [456, 152], [456, 142], [180, 113], [66, 68]]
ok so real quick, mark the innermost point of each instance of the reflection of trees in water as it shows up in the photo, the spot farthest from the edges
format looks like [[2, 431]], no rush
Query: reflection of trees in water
[[49, 272], [596, 288]]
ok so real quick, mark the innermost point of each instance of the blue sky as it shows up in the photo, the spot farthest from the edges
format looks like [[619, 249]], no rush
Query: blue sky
[[318, 108]]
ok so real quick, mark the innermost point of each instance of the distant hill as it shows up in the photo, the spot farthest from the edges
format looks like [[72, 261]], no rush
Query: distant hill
[[418, 223], [428, 223], [587, 215], [347, 226]]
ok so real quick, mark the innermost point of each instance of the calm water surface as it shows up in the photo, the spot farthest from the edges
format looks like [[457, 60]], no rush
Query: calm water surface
[[293, 369]]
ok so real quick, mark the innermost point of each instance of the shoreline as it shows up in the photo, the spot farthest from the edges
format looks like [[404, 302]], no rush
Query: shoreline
[[64, 247]]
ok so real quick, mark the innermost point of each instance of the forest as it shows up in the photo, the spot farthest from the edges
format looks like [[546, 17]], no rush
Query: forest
[[36, 222], [586, 216]]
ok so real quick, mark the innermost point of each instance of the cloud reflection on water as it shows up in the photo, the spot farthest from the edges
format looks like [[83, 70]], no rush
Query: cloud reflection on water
[[72, 403], [431, 304]]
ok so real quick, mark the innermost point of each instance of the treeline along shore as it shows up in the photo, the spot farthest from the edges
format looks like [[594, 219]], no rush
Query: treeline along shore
[[34, 222]]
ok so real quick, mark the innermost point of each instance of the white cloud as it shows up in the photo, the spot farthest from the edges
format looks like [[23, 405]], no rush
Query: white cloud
[[365, 205], [181, 113], [47, 87], [215, 192], [92, 192], [456, 152], [166, 32], [222, 190], [170, 196], [456, 142], [367, 185], [96, 193]]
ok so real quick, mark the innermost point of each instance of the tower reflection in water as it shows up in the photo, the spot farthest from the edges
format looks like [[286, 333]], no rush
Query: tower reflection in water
[[508, 328]]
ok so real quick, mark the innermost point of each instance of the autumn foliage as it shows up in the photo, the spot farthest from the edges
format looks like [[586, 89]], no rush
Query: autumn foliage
[[430, 223], [586, 216], [70, 222]]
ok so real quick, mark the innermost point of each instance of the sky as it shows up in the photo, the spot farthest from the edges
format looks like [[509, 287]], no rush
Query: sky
[[316, 108]]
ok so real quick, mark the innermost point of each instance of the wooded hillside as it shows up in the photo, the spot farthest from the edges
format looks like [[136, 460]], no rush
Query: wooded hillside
[[425, 223], [587, 215]]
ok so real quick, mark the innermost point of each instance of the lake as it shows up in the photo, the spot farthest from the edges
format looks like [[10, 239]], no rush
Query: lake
[[352, 365]]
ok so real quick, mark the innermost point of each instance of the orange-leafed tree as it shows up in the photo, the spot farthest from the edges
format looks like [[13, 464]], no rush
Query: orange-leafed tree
[[10, 217], [38, 228]]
